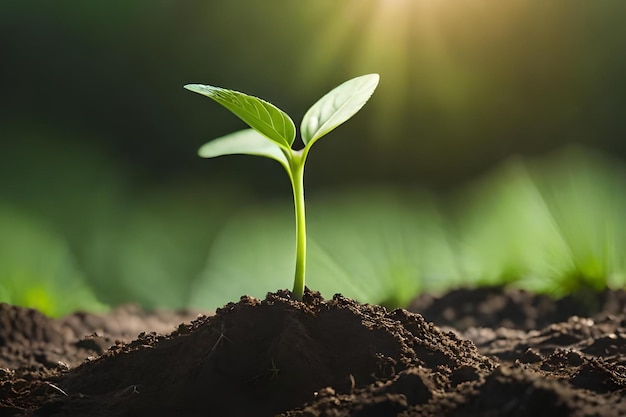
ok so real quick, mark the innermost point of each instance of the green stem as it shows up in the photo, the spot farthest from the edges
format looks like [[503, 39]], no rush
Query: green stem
[[297, 180]]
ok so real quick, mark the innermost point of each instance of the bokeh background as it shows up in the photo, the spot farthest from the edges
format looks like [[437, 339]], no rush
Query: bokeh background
[[491, 152]]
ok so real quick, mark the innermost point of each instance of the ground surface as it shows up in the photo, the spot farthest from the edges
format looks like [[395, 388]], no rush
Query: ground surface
[[490, 353]]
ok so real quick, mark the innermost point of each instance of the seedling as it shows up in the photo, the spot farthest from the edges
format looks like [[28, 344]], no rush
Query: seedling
[[272, 135]]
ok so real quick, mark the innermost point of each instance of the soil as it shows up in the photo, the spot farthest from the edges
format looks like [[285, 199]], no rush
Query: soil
[[483, 352]]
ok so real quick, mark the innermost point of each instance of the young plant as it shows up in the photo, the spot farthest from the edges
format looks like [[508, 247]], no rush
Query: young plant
[[273, 134]]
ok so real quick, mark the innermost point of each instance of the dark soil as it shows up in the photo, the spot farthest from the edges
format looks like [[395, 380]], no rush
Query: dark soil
[[490, 352]]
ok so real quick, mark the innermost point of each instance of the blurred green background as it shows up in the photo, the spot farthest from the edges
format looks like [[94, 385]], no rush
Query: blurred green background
[[491, 152]]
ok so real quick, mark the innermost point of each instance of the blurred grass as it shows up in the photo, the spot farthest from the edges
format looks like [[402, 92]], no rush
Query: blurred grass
[[553, 224], [585, 199], [37, 268]]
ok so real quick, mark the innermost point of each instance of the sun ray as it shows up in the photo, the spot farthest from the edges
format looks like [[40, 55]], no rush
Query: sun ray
[[336, 36], [386, 48]]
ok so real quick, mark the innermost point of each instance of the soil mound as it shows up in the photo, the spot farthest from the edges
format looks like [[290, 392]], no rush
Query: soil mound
[[314, 357]]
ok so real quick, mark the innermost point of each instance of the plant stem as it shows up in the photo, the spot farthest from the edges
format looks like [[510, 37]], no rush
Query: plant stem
[[297, 170]]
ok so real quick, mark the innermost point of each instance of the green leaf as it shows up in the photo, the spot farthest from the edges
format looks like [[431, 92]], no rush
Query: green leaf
[[247, 142], [260, 115], [337, 106]]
